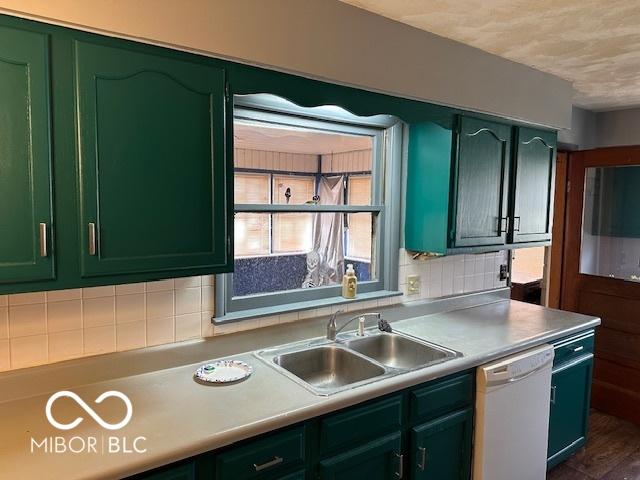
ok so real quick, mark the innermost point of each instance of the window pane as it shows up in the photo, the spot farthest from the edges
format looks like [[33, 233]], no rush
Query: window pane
[[611, 224], [359, 236], [251, 188], [292, 232], [251, 235], [309, 250], [293, 189], [359, 190]]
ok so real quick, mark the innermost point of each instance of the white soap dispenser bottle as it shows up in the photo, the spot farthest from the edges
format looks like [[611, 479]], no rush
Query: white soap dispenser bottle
[[349, 282]]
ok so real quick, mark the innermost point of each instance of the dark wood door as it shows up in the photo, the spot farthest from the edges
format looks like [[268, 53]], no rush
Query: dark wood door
[[152, 162], [616, 384], [533, 186], [26, 249], [479, 214]]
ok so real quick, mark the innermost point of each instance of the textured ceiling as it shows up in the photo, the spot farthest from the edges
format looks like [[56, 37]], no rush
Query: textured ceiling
[[593, 43]]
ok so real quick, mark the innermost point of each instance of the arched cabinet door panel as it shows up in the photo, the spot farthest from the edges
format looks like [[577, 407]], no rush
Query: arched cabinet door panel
[[26, 216], [152, 162], [481, 183], [534, 180]]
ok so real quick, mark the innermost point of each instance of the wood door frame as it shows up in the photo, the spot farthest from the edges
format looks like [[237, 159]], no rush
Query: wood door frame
[[572, 279], [554, 255]]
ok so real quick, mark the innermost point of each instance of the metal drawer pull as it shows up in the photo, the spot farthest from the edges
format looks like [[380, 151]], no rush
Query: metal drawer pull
[[423, 458], [400, 472], [577, 349], [92, 238], [553, 394], [43, 240], [269, 464]]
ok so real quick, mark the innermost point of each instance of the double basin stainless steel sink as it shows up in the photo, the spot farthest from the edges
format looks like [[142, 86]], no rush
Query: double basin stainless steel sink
[[326, 367]]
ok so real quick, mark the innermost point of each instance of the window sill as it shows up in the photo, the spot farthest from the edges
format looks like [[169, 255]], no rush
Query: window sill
[[298, 306]]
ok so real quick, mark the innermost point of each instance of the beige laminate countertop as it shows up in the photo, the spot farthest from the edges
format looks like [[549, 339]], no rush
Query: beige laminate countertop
[[180, 418]]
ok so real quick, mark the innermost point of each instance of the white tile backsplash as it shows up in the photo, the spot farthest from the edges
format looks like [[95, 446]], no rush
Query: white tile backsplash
[[64, 315], [27, 320], [450, 275], [43, 327], [98, 312]]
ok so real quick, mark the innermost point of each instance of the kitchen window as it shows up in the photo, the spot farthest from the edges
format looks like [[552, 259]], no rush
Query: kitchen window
[[314, 189]]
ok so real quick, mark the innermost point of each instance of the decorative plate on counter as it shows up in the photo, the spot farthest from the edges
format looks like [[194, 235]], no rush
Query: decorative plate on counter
[[223, 371]]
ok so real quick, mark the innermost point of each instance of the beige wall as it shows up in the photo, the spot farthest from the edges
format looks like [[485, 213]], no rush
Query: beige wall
[[326, 39]]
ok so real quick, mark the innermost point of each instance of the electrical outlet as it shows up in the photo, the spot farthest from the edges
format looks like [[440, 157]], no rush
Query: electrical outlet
[[413, 284]]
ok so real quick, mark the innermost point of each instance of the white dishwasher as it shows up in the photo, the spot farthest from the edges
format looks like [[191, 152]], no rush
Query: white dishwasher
[[512, 416]]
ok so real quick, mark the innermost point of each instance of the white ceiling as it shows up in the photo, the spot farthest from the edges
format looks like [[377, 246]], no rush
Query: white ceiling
[[593, 43], [255, 136]]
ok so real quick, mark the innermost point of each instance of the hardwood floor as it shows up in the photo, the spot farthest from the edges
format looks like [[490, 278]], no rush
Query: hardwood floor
[[612, 452]]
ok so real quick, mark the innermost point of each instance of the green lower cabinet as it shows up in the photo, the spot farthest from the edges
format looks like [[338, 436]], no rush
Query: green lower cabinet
[[181, 472], [298, 475], [441, 449], [568, 418], [273, 457], [377, 460]]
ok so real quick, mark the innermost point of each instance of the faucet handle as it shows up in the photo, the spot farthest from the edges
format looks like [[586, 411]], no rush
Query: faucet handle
[[335, 314]]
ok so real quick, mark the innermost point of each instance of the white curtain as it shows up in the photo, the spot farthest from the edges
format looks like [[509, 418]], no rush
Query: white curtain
[[325, 263]]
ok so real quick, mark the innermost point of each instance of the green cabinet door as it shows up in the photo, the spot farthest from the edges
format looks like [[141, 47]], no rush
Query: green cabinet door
[[25, 158], [534, 182], [377, 460], [568, 418], [441, 449], [152, 166], [479, 213]]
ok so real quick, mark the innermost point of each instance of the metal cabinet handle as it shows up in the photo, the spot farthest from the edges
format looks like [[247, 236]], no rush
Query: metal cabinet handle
[[516, 229], [400, 472], [553, 394], [269, 464], [503, 225], [43, 240], [578, 349], [92, 238], [423, 458]]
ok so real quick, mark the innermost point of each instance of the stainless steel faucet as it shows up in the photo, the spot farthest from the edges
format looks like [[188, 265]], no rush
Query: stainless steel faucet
[[332, 330]]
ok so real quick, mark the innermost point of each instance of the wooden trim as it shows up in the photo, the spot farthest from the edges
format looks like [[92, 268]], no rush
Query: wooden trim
[[555, 253]]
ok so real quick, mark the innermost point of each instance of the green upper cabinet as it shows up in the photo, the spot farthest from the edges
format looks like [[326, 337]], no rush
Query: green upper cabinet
[[441, 449], [152, 163], [468, 190], [26, 249], [481, 176], [534, 181]]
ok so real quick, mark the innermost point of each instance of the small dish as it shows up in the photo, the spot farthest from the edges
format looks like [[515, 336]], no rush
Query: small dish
[[223, 371]]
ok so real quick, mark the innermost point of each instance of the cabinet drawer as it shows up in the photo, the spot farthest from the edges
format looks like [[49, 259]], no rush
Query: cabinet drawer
[[360, 424], [569, 348], [267, 455], [441, 397]]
